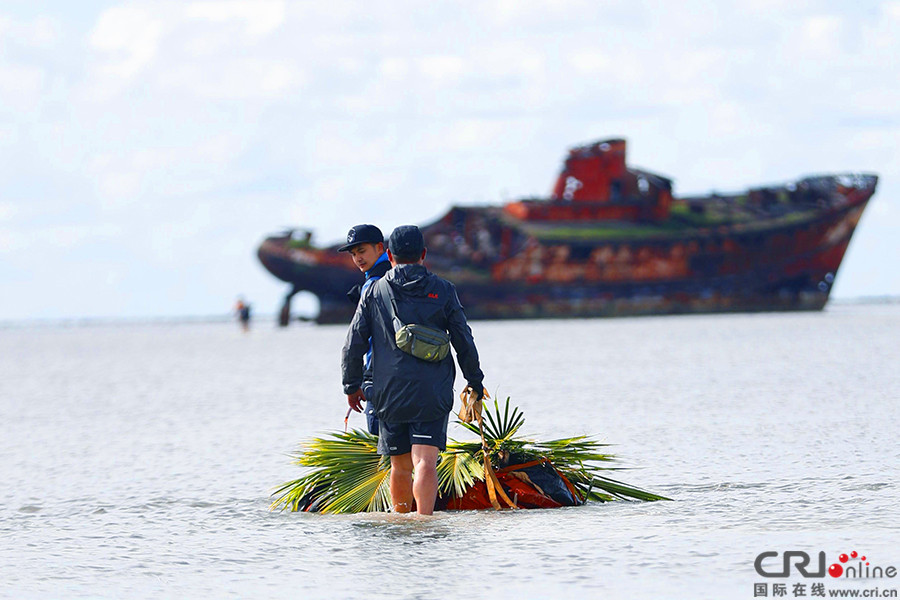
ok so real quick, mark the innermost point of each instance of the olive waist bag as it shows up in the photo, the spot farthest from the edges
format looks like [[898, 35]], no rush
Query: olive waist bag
[[421, 341]]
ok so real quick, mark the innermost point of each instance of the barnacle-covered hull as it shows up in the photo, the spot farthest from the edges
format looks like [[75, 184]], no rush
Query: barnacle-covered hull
[[619, 244]]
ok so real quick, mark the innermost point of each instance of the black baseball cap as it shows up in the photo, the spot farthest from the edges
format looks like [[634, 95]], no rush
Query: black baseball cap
[[406, 242], [362, 234]]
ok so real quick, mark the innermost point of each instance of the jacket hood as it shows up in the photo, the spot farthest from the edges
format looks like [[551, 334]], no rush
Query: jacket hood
[[409, 278]]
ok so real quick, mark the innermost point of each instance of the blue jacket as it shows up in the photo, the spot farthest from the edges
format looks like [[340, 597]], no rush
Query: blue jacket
[[381, 266], [406, 389], [376, 272]]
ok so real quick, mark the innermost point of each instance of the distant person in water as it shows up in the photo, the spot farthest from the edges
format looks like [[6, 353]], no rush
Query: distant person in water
[[242, 310], [365, 243]]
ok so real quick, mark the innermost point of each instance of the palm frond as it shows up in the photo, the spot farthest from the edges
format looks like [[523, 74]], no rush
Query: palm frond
[[623, 491], [347, 475], [458, 470], [500, 428], [370, 494]]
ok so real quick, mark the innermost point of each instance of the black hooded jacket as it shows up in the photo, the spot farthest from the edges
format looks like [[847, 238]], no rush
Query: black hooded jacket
[[407, 389]]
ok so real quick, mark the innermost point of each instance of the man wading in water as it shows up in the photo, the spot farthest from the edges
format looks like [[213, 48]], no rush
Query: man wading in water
[[412, 397], [365, 243]]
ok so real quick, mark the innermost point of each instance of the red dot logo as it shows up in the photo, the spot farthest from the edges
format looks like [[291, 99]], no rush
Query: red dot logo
[[843, 557], [836, 570], [853, 554]]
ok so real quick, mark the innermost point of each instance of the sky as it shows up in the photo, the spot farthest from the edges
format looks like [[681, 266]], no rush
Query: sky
[[147, 148]]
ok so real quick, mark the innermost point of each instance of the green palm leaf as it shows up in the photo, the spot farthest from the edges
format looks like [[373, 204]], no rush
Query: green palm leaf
[[457, 471], [500, 428], [371, 494], [346, 474]]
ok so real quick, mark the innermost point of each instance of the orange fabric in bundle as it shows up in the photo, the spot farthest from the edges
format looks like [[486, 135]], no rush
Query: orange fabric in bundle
[[524, 494]]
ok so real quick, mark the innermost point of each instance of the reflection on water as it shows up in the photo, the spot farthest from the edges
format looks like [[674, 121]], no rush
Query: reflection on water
[[408, 527], [138, 461]]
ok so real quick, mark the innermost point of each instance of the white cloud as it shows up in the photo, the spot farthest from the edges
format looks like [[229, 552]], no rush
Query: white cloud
[[508, 59], [696, 65], [591, 62], [394, 68], [208, 44], [822, 33], [57, 237], [339, 146], [892, 9], [259, 17], [40, 32], [445, 70], [535, 11], [729, 119], [463, 135], [170, 240], [7, 240], [124, 180], [191, 49], [120, 188], [20, 85], [386, 180], [7, 211], [238, 79], [129, 35], [22, 82], [45, 31]]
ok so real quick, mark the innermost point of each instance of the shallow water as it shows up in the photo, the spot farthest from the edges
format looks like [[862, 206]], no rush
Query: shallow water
[[136, 461]]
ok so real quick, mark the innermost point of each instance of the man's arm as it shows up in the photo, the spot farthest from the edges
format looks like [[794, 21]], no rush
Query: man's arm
[[463, 343], [356, 345]]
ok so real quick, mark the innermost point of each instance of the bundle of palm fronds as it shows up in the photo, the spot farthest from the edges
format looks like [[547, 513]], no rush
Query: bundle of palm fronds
[[347, 475]]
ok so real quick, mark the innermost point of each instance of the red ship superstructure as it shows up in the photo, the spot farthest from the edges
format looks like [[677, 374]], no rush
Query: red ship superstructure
[[595, 185]]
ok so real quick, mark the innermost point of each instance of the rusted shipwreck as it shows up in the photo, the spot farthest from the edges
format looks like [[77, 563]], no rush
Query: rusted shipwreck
[[613, 240]]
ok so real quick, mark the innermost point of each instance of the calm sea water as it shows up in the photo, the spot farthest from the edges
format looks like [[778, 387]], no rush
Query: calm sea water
[[137, 461]]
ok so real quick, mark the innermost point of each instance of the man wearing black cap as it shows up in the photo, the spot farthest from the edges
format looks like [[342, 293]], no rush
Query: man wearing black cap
[[365, 243], [412, 397]]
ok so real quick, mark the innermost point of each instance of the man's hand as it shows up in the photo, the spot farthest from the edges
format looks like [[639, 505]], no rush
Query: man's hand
[[478, 388], [355, 400]]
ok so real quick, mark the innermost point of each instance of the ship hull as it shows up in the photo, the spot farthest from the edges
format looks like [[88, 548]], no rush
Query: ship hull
[[795, 277], [789, 268]]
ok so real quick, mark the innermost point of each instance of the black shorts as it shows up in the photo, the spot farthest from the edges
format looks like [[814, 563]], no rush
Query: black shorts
[[397, 438]]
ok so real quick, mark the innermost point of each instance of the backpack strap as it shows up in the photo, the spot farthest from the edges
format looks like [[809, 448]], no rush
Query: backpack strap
[[398, 324]]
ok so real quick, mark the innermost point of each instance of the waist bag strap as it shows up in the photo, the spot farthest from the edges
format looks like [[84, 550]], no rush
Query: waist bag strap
[[398, 324]]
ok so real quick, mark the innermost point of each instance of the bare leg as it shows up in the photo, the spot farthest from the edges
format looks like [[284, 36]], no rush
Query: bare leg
[[424, 458], [401, 482]]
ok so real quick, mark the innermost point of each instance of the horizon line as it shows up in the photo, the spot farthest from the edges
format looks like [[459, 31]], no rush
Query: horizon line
[[227, 317]]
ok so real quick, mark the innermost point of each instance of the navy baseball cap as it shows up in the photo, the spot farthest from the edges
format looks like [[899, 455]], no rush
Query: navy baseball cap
[[362, 234], [406, 242]]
